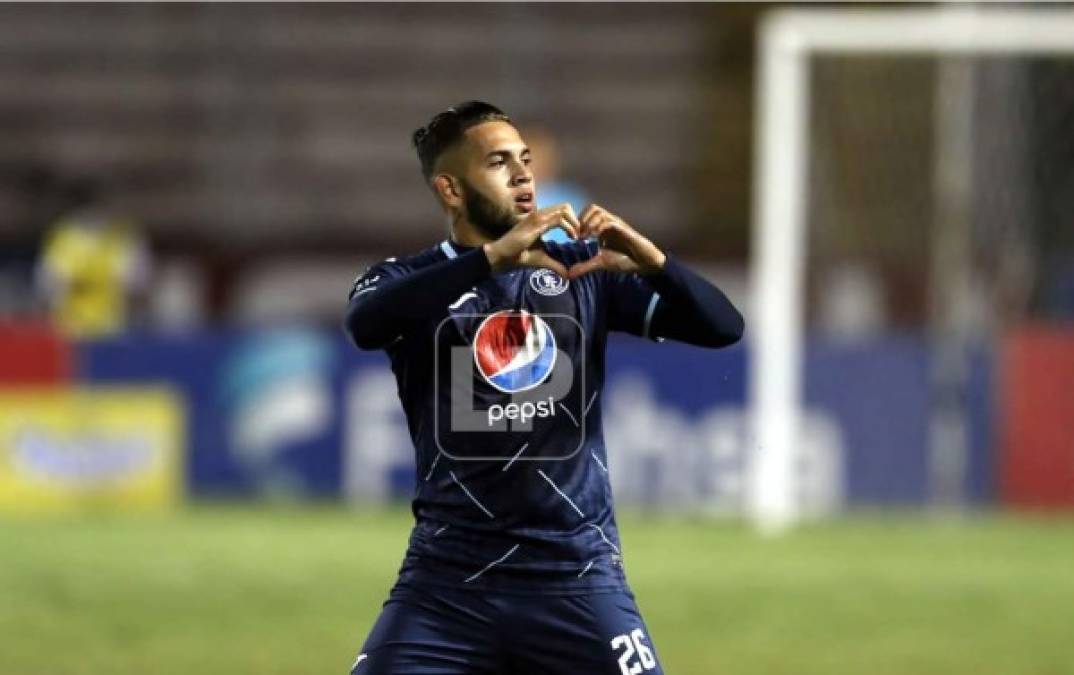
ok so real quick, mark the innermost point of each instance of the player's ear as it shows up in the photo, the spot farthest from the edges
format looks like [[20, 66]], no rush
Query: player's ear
[[448, 189]]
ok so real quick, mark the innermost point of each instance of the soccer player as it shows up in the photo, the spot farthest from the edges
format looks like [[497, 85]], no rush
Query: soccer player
[[497, 340]]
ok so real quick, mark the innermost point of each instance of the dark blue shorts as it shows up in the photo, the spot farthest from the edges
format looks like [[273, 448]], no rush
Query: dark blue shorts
[[425, 630]]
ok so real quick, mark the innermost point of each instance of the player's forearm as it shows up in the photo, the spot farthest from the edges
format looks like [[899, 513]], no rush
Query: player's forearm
[[379, 315], [692, 309]]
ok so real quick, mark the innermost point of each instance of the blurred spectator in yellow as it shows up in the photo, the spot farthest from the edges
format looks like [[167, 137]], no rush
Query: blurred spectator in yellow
[[92, 264], [551, 189]]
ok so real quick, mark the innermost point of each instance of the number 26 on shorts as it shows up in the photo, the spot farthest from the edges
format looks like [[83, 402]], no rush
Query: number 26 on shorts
[[633, 644]]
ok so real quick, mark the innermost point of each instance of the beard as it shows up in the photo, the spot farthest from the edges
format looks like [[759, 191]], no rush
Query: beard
[[491, 220]]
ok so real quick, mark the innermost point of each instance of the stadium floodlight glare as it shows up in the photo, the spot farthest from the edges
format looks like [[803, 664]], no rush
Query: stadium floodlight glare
[[788, 40]]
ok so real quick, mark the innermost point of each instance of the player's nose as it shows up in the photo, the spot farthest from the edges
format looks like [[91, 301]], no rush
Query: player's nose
[[522, 176]]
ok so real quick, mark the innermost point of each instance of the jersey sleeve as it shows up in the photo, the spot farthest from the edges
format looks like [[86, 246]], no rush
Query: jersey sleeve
[[632, 304], [374, 275], [367, 330], [389, 299], [675, 303]]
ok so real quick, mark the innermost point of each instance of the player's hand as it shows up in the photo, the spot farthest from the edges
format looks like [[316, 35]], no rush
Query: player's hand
[[622, 248], [521, 246]]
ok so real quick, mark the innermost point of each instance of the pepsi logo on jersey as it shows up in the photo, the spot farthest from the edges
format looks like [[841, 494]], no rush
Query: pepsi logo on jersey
[[514, 369], [515, 351]]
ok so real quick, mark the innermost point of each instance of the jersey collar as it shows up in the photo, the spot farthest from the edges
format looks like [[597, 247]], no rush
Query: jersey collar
[[454, 249]]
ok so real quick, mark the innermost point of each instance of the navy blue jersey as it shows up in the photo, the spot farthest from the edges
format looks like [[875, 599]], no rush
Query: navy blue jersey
[[501, 383]]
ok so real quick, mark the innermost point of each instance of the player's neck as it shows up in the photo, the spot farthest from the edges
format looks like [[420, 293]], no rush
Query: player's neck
[[464, 233]]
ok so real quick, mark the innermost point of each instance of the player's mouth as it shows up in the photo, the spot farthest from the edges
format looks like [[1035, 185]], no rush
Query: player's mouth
[[524, 202]]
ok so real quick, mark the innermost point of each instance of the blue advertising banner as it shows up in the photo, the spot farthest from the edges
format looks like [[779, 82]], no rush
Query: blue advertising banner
[[301, 413], [263, 407]]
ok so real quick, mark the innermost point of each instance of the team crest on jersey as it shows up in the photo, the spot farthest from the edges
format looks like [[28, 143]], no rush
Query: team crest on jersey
[[514, 350], [547, 282]]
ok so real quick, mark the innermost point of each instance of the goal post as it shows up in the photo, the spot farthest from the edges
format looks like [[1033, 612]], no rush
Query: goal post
[[787, 41]]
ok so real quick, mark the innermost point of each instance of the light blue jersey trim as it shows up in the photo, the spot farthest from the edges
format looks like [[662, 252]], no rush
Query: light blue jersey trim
[[649, 315], [448, 249]]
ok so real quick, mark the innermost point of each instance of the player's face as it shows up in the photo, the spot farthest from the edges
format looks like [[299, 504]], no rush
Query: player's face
[[496, 177], [492, 219]]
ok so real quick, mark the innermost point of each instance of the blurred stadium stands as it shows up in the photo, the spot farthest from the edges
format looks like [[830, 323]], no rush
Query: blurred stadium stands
[[283, 131]]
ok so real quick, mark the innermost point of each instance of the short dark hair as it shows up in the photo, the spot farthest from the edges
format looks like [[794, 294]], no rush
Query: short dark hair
[[447, 128]]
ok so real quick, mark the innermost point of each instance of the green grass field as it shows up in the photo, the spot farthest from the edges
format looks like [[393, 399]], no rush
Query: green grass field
[[235, 591]]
